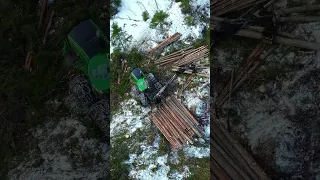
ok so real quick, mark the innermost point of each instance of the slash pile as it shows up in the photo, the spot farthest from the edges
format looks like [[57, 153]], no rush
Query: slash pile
[[251, 64], [175, 122], [165, 43], [183, 57]]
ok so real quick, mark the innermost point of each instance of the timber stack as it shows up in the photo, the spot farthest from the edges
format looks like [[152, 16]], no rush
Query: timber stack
[[265, 13], [175, 122], [165, 43], [183, 57], [229, 160]]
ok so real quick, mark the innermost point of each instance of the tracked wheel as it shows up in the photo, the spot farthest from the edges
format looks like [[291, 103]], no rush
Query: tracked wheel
[[143, 99], [134, 92], [153, 80]]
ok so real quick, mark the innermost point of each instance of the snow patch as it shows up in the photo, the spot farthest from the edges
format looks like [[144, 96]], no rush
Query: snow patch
[[142, 31], [197, 152], [130, 119]]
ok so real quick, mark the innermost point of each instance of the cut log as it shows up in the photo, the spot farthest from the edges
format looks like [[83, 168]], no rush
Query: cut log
[[244, 154], [190, 72], [281, 40], [43, 7], [231, 161], [298, 9], [48, 28], [304, 19], [217, 171]]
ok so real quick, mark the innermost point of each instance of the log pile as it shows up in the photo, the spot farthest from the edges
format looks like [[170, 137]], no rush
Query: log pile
[[175, 122], [221, 9], [183, 57], [229, 160], [165, 43]]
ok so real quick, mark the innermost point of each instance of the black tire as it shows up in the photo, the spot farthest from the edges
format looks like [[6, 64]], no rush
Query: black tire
[[143, 99], [153, 80], [135, 92], [158, 85]]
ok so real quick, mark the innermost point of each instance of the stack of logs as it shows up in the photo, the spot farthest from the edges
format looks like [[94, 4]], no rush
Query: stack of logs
[[221, 8], [165, 43], [243, 73], [229, 160], [175, 122], [183, 57]]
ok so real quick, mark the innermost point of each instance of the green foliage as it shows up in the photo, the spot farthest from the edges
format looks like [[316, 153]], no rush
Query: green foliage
[[200, 168], [204, 40], [163, 145], [119, 154], [114, 7], [21, 90], [186, 6], [189, 20], [159, 20], [120, 38], [118, 91], [116, 30], [193, 15], [145, 15]]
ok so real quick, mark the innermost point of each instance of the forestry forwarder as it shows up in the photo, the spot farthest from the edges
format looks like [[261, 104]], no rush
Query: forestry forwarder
[[147, 88]]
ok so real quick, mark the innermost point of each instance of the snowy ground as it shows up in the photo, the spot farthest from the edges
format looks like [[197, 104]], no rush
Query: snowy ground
[[141, 31], [148, 156], [68, 147], [276, 113]]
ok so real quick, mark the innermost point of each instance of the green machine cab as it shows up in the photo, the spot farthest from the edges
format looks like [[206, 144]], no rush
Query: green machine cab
[[145, 87], [138, 77], [87, 43]]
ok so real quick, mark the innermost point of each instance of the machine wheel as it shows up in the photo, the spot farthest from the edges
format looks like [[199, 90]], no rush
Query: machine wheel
[[69, 60], [135, 92], [143, 99], [158, 86], [154, 81]]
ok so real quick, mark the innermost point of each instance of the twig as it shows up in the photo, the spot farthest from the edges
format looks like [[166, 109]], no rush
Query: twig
[[281, 40], [28, 60], [128, 19], [43, 7], [230, 89], [48, 28], [156, 4]]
